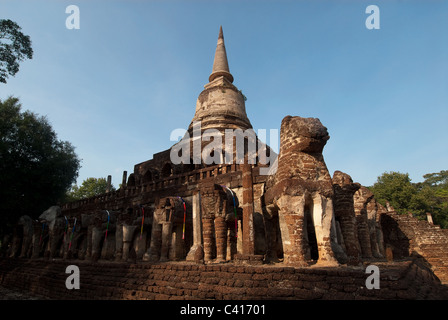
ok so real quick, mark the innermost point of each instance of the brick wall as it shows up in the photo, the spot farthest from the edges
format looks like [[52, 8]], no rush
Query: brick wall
[[111, 280], [409, 236]]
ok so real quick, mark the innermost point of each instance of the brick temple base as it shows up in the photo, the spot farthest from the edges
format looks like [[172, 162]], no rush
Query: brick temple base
[[182, 280]]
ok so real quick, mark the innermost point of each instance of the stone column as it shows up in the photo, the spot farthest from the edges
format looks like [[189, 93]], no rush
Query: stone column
[[124, 180], [153, 253], [167, 228], [361, 199], [128, 235], [208, 236], [119, 243], [323, 213], [221, 238], [239, 239], [363, 234], [209, 202], [429, 218], [140, 244], [372, 210], [248, 210], [37, 230], [197, 251], [96, 243], [176, 249], [291, 219], [109, 183], [89, 242], [231, 243], [179, 244]]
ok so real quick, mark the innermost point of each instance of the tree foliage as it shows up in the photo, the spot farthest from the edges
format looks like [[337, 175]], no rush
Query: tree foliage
[[431, 195], [89, 188], [14, 48], [396, 188], [433, 192], [36, 169]]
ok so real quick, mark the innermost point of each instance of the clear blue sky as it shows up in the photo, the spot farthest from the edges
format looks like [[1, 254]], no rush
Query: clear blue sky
[[131, 74]]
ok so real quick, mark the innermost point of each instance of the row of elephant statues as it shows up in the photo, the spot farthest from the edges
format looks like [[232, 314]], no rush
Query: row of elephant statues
[[158, 231], [103, 234], [164, 230]]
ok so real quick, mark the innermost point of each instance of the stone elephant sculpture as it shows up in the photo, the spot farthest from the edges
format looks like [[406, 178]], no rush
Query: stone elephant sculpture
[[344, 190], [15, 240], [132, 232], [167, 230], [368, 218], [53, 219], [27, 225], [75, 241], [220, 214], [301, 193], [101, 227], [21, 239]]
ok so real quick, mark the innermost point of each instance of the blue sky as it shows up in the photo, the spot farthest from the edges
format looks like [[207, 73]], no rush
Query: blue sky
[[131, 74]]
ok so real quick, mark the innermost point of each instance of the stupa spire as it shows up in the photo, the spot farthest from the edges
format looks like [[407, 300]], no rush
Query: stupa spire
[[220, 64]]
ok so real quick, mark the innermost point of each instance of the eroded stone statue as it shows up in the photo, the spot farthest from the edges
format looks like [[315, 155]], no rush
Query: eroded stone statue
[[53, 219], [301, 193], [167, 231], [218, 221]]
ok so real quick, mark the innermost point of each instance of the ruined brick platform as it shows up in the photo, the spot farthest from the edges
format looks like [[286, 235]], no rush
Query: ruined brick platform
[[226, 229], [406, 279]]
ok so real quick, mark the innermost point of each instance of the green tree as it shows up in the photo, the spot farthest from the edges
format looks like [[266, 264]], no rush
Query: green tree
[[14, 48], [431, 195], [36, 169], [439, 179], [434, 189], [89, 188], [396, 188]]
